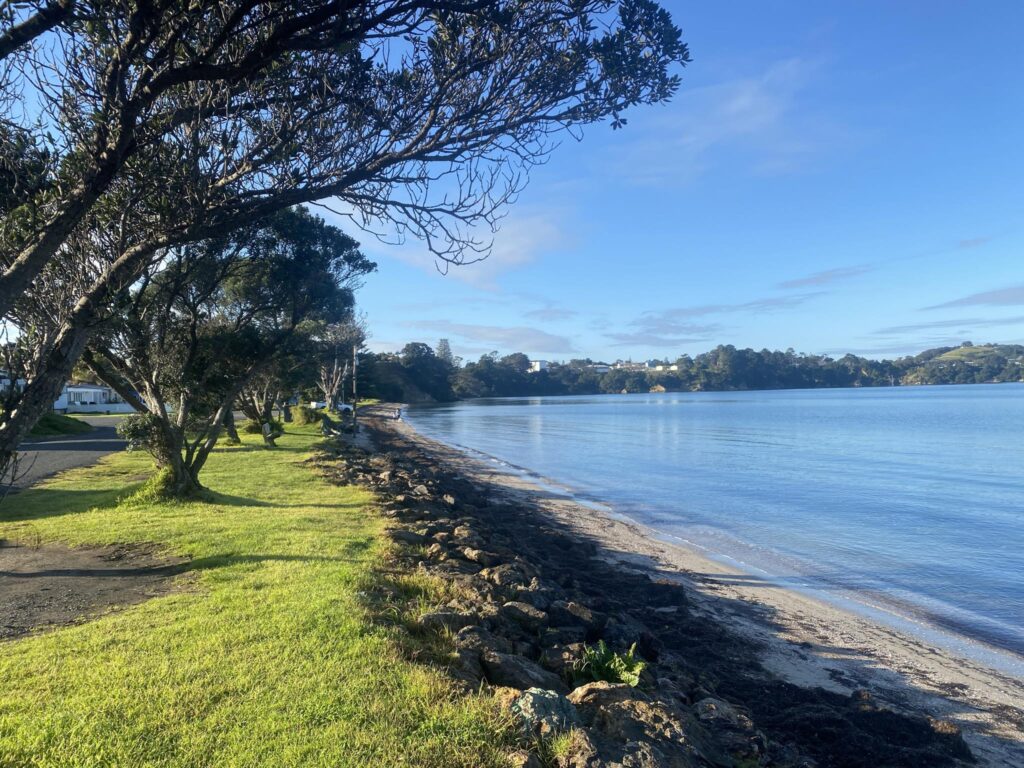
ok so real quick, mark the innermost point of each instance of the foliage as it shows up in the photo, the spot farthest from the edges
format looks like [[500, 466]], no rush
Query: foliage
[[221, 318], [142, 432], [424, 117], [723, 368], [251, 427], [599, 662], [304, 414], [268, 655]]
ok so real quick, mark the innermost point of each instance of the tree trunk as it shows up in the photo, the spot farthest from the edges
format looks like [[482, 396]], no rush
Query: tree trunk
[[183, 482], [229, 425]]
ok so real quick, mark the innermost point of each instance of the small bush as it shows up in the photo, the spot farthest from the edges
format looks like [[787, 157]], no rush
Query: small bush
[[303, 414], [600, 662], [251, 427]]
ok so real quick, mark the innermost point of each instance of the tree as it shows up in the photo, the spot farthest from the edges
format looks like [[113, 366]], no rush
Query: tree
[[444, 353], [209, 319], [194, 119], [336, 344]]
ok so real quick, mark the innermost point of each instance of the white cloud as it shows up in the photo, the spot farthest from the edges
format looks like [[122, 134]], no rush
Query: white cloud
[[509, 339]]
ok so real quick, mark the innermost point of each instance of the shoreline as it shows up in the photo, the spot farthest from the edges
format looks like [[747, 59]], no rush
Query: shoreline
[[805, 640], [901, 617]]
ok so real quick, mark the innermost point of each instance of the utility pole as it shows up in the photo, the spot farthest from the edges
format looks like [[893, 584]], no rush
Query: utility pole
[[355, 395]]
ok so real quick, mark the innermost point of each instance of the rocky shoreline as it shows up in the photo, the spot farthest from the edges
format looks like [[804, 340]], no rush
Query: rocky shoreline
[[530, 595]]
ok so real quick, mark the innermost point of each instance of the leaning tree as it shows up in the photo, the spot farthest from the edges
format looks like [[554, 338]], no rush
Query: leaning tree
[[169, 123], [210, 317]]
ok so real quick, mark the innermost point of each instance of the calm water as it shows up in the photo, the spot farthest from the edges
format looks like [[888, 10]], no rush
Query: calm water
[[908, 498]]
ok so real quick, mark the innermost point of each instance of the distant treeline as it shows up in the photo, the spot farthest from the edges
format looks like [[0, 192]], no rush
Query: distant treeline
[[419, 373]]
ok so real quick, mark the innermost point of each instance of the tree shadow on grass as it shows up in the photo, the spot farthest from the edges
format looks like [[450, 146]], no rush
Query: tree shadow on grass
[[40, 503]]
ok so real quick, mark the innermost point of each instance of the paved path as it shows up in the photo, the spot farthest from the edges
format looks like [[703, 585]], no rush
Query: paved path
[[45, 456]]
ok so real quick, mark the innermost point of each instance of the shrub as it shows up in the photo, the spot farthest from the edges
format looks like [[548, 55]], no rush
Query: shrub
[[251, 427], [142, 432], [600, 662], [303, 414]]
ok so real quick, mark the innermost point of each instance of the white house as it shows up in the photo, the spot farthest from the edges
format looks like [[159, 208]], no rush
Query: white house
[[90, 398], [536, 366]]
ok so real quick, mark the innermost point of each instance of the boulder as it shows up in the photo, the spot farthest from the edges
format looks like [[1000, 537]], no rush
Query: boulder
[[567, 614], [525, 615], [517, 672], [545, 712], [649, 732], [486, 559]]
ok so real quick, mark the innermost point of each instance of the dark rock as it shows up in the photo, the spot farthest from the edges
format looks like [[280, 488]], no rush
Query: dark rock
[[570, 613], [517, 672], [486, 559], [545, 712], [648, 732], [505, 575], [560, 659], [524, 614]]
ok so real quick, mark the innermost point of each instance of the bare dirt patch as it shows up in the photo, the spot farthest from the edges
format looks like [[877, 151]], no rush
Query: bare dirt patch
[[48, 586]]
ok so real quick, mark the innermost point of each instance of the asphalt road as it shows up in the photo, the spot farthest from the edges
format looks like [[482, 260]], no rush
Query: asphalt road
[[45, 456]]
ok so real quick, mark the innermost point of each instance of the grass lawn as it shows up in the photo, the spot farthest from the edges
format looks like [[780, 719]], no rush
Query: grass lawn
[[56, 424], [267, 655]]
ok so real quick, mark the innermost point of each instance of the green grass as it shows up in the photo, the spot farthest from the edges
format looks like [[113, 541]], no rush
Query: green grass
[[266, 656], [56, 424]]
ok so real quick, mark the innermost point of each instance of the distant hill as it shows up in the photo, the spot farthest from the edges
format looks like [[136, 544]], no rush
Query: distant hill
[[418, 374]]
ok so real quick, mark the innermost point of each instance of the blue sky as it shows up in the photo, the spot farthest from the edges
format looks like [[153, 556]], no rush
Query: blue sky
[[832, 176]]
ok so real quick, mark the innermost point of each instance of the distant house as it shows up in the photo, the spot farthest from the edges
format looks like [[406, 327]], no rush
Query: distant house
[[599, 367], [536, 366], [90, 398]]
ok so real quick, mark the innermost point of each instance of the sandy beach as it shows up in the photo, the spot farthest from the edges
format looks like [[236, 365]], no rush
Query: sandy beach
[[804, 640]]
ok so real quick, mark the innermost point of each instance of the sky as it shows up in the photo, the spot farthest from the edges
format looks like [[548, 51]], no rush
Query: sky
[[831, 176]]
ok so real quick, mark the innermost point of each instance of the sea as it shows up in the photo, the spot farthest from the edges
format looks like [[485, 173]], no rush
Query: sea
[[903, 503]]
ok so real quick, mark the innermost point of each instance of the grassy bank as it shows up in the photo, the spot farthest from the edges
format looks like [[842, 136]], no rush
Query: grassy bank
[[265, 656], [52, 424]]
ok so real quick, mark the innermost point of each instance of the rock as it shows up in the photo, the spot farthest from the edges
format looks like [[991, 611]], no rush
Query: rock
[[505, 575], [448, 499], [524, 614], [569, 614], [479, 639], [523, 759], [563, 635], [545, 712], [437, 552], [734, 731], [406, 537], [582, 753], [560, 659], [650, 732], [448, 620], [517, 672], [486, 559], [421, 490]]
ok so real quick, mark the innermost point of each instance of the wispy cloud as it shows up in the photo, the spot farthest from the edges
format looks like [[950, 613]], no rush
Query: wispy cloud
[[551, 314], [962, 324], [652, 340], [826, 276], [762, 118], [1000, 297], [512, 339], [768, 304], [973, 242]]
